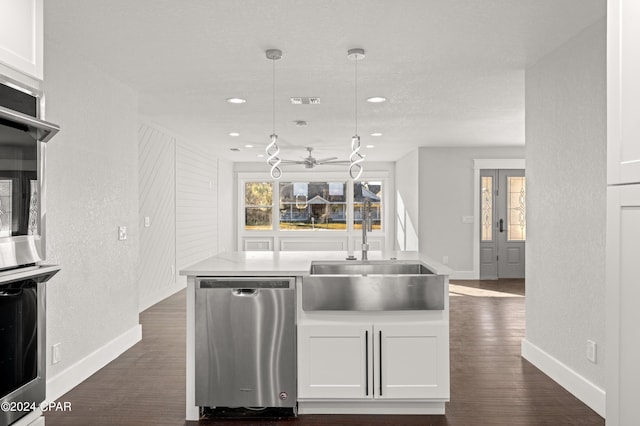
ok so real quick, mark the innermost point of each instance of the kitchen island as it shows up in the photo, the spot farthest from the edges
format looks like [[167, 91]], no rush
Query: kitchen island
[[348, 361]]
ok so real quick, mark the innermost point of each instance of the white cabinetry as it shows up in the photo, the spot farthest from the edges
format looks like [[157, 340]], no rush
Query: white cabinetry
[[21, 36], [623, 293], [623, 91], [374, 361]]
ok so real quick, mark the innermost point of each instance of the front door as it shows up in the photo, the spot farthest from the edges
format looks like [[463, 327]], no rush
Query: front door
[[502, 223]]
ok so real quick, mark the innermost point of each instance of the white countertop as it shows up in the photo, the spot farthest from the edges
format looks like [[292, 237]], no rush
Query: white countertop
[[296, 263]]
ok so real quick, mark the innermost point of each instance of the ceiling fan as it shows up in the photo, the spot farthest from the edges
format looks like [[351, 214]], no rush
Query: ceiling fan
[[310, 161]]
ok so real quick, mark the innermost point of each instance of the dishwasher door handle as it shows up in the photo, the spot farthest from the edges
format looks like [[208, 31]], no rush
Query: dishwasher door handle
[[244, 291]]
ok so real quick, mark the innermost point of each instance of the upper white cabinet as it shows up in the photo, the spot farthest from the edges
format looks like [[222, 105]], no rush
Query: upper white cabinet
[[21, 36], [623, 91]]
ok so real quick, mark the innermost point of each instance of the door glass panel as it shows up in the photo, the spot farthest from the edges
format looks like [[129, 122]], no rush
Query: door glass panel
[[516, 207], [487, 208]]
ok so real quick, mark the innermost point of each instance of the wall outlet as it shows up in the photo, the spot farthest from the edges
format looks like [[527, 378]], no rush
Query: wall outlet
[[122, 233], [55, 353], [147, 221], [445, 260], [592, 349]]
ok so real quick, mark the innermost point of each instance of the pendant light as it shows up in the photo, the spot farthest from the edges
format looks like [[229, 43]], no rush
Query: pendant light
[[355, 159], [272, 149]]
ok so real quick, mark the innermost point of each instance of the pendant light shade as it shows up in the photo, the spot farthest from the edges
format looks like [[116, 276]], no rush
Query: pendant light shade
[[272, 150], [355, 159]]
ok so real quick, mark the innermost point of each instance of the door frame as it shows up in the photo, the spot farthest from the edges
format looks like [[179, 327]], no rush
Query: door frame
[[478, 164]]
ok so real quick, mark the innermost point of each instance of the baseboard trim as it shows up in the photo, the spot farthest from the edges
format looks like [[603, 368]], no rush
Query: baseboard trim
[[67, 379], [170, 291], [463, 275], [587, 392]]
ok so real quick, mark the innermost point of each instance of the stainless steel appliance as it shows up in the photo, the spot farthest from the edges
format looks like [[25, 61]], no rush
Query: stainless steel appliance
[[22, 341], [245, 332], [22, 151]]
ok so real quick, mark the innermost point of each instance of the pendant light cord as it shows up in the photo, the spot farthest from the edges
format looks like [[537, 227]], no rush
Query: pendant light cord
[[356, 98], [274, 97]]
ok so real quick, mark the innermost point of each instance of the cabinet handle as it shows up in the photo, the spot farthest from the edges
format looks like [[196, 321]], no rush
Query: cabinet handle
[[366, 362], [380, 363], [501, 225]]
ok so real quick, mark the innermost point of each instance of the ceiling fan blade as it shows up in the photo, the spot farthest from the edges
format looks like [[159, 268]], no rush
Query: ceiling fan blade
[[324, 160], [292, 162], [336, 162]]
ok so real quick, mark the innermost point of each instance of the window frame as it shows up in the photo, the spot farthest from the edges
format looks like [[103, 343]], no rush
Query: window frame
[[276, 233]]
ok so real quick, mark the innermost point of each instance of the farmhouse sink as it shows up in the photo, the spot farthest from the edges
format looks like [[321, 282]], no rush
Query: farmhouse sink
[[387, 285], [368, 267]]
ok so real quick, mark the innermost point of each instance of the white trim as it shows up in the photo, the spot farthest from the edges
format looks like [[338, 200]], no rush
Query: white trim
[[66, 380], [478, 164], [586, 391], [377, 406], [159, 297], [463, 275]]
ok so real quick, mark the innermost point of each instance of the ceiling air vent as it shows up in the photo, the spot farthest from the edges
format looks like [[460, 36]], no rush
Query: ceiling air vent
[[305, 101]]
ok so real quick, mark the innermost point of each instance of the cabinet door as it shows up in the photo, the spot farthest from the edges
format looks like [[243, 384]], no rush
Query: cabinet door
[[622, 296], [21, 36], [334, 361], [412, 361], [623, 91]]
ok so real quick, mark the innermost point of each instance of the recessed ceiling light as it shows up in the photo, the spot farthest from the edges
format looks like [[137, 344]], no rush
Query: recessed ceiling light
[[236, 100], [376, 134], [234, 134], [248, 146], [376, 99], [260, 155], [371, 146]]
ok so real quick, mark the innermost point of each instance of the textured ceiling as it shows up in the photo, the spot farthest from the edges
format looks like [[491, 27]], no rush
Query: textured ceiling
[[452, 70]]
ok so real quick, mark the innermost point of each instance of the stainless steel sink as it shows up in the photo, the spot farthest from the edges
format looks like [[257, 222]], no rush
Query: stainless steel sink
[[387, 285], [368, 267]]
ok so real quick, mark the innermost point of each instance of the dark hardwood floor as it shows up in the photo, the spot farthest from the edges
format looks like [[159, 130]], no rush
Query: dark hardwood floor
[[490, 383]]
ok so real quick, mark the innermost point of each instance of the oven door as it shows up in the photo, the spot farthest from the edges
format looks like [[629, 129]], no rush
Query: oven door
[[22, 342]]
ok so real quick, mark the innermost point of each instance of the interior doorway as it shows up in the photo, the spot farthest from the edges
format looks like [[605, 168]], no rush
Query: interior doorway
[[502, 225]]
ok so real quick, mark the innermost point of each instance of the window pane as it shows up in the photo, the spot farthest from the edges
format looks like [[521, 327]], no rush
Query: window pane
[[373, 192], [517, 225], [487, 208], [313, 206], [258, 200]]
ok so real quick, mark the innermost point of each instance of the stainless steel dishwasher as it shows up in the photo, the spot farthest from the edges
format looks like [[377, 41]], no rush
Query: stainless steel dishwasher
[[245, 332]]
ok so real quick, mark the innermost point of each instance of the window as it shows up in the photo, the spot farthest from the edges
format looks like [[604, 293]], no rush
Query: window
[[313, 205], [487, 208], [373, 192], [258, 205], [516, 206]]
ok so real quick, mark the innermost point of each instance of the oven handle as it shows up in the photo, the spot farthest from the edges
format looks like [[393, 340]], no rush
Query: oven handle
[[45, 130]]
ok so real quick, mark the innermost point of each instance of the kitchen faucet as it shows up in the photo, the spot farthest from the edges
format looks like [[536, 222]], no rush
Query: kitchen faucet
[[367, 225]]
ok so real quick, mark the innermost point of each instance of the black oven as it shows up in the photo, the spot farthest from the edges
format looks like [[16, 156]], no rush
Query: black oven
[[22, 135], [22, 341]]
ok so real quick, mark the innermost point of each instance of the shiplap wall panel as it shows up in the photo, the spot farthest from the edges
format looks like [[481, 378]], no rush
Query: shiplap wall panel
[[156, 180], [196, 204]]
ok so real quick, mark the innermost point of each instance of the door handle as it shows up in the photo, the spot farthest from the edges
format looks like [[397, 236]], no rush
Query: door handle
[[501, 225], [366, 362], [380, 363]]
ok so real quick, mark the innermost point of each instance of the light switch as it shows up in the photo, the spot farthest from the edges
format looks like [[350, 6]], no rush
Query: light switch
[[147, 221], [122, 233]]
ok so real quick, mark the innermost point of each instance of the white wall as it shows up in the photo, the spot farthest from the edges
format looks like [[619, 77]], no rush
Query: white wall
[[185, 191], [566, 195], [157, 198], [407, 202], [92, 189], [446, 195]]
